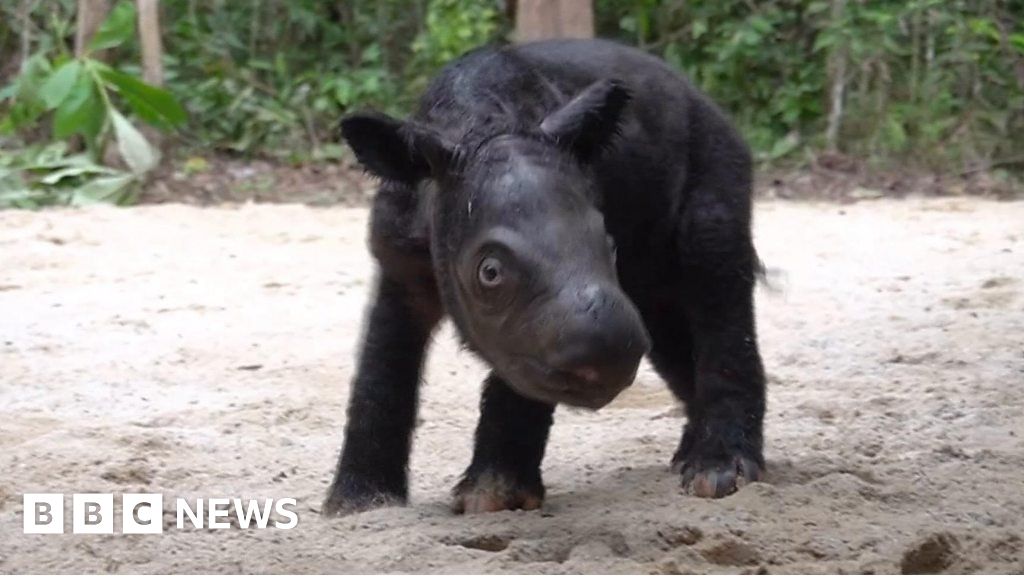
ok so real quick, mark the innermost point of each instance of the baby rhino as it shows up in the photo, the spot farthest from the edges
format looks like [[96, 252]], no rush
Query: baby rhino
[[571, 206]]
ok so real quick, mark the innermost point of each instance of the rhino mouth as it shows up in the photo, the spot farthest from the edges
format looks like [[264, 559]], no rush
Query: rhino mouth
[[535, 379]]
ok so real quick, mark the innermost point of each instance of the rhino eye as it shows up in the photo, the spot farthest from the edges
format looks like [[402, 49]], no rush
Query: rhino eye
[[490, 272]]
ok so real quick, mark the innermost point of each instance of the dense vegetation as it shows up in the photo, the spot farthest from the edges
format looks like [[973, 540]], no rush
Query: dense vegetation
[[937, 83]]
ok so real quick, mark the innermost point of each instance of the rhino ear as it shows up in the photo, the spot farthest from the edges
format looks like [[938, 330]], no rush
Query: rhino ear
[[590, 121], [396, 150]]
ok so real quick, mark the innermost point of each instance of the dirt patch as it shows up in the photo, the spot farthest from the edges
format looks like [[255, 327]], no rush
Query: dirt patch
[[207, 352], [934, 554], [846, 179], [214, 179]]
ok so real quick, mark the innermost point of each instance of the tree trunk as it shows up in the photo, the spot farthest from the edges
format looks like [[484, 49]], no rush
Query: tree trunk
[[152, 56], [348, 22], [90, 15], [26, 31], [544, 19], [149, 40], [509, 8], [838, 88]]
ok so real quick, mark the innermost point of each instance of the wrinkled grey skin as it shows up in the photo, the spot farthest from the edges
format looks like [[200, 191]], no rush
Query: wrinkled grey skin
[[571, 206], [558, 328], [555, 324]]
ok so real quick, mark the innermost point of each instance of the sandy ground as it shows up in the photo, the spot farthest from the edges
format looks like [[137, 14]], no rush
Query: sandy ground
[[207, 352]]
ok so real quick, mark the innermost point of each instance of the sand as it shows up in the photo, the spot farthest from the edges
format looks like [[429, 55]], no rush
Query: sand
[[206, 352]]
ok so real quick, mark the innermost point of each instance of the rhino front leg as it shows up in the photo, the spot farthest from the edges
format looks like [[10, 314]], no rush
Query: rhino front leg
[[510, 441], [721, 448], [382, 408]]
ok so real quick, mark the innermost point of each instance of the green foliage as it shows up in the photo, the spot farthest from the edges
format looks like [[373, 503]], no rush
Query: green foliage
[[80, 97], [118, 28], [934, 82], [273, 77], [48, 175], [453, 27], [931, 81], [267, 77]]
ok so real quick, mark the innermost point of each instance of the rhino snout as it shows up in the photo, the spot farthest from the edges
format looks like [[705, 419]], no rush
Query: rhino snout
[[599, 345]]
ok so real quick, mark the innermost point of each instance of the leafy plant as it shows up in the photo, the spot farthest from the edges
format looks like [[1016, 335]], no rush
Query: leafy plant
[[39, 176], [80, 96], [930, 82], [933, 82], [453, 27], [271, 77]]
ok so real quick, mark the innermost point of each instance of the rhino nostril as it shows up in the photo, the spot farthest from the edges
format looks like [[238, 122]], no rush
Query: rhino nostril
[[587, 374]]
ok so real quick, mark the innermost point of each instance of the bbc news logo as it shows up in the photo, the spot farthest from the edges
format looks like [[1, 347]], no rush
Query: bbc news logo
[[144, 513]]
